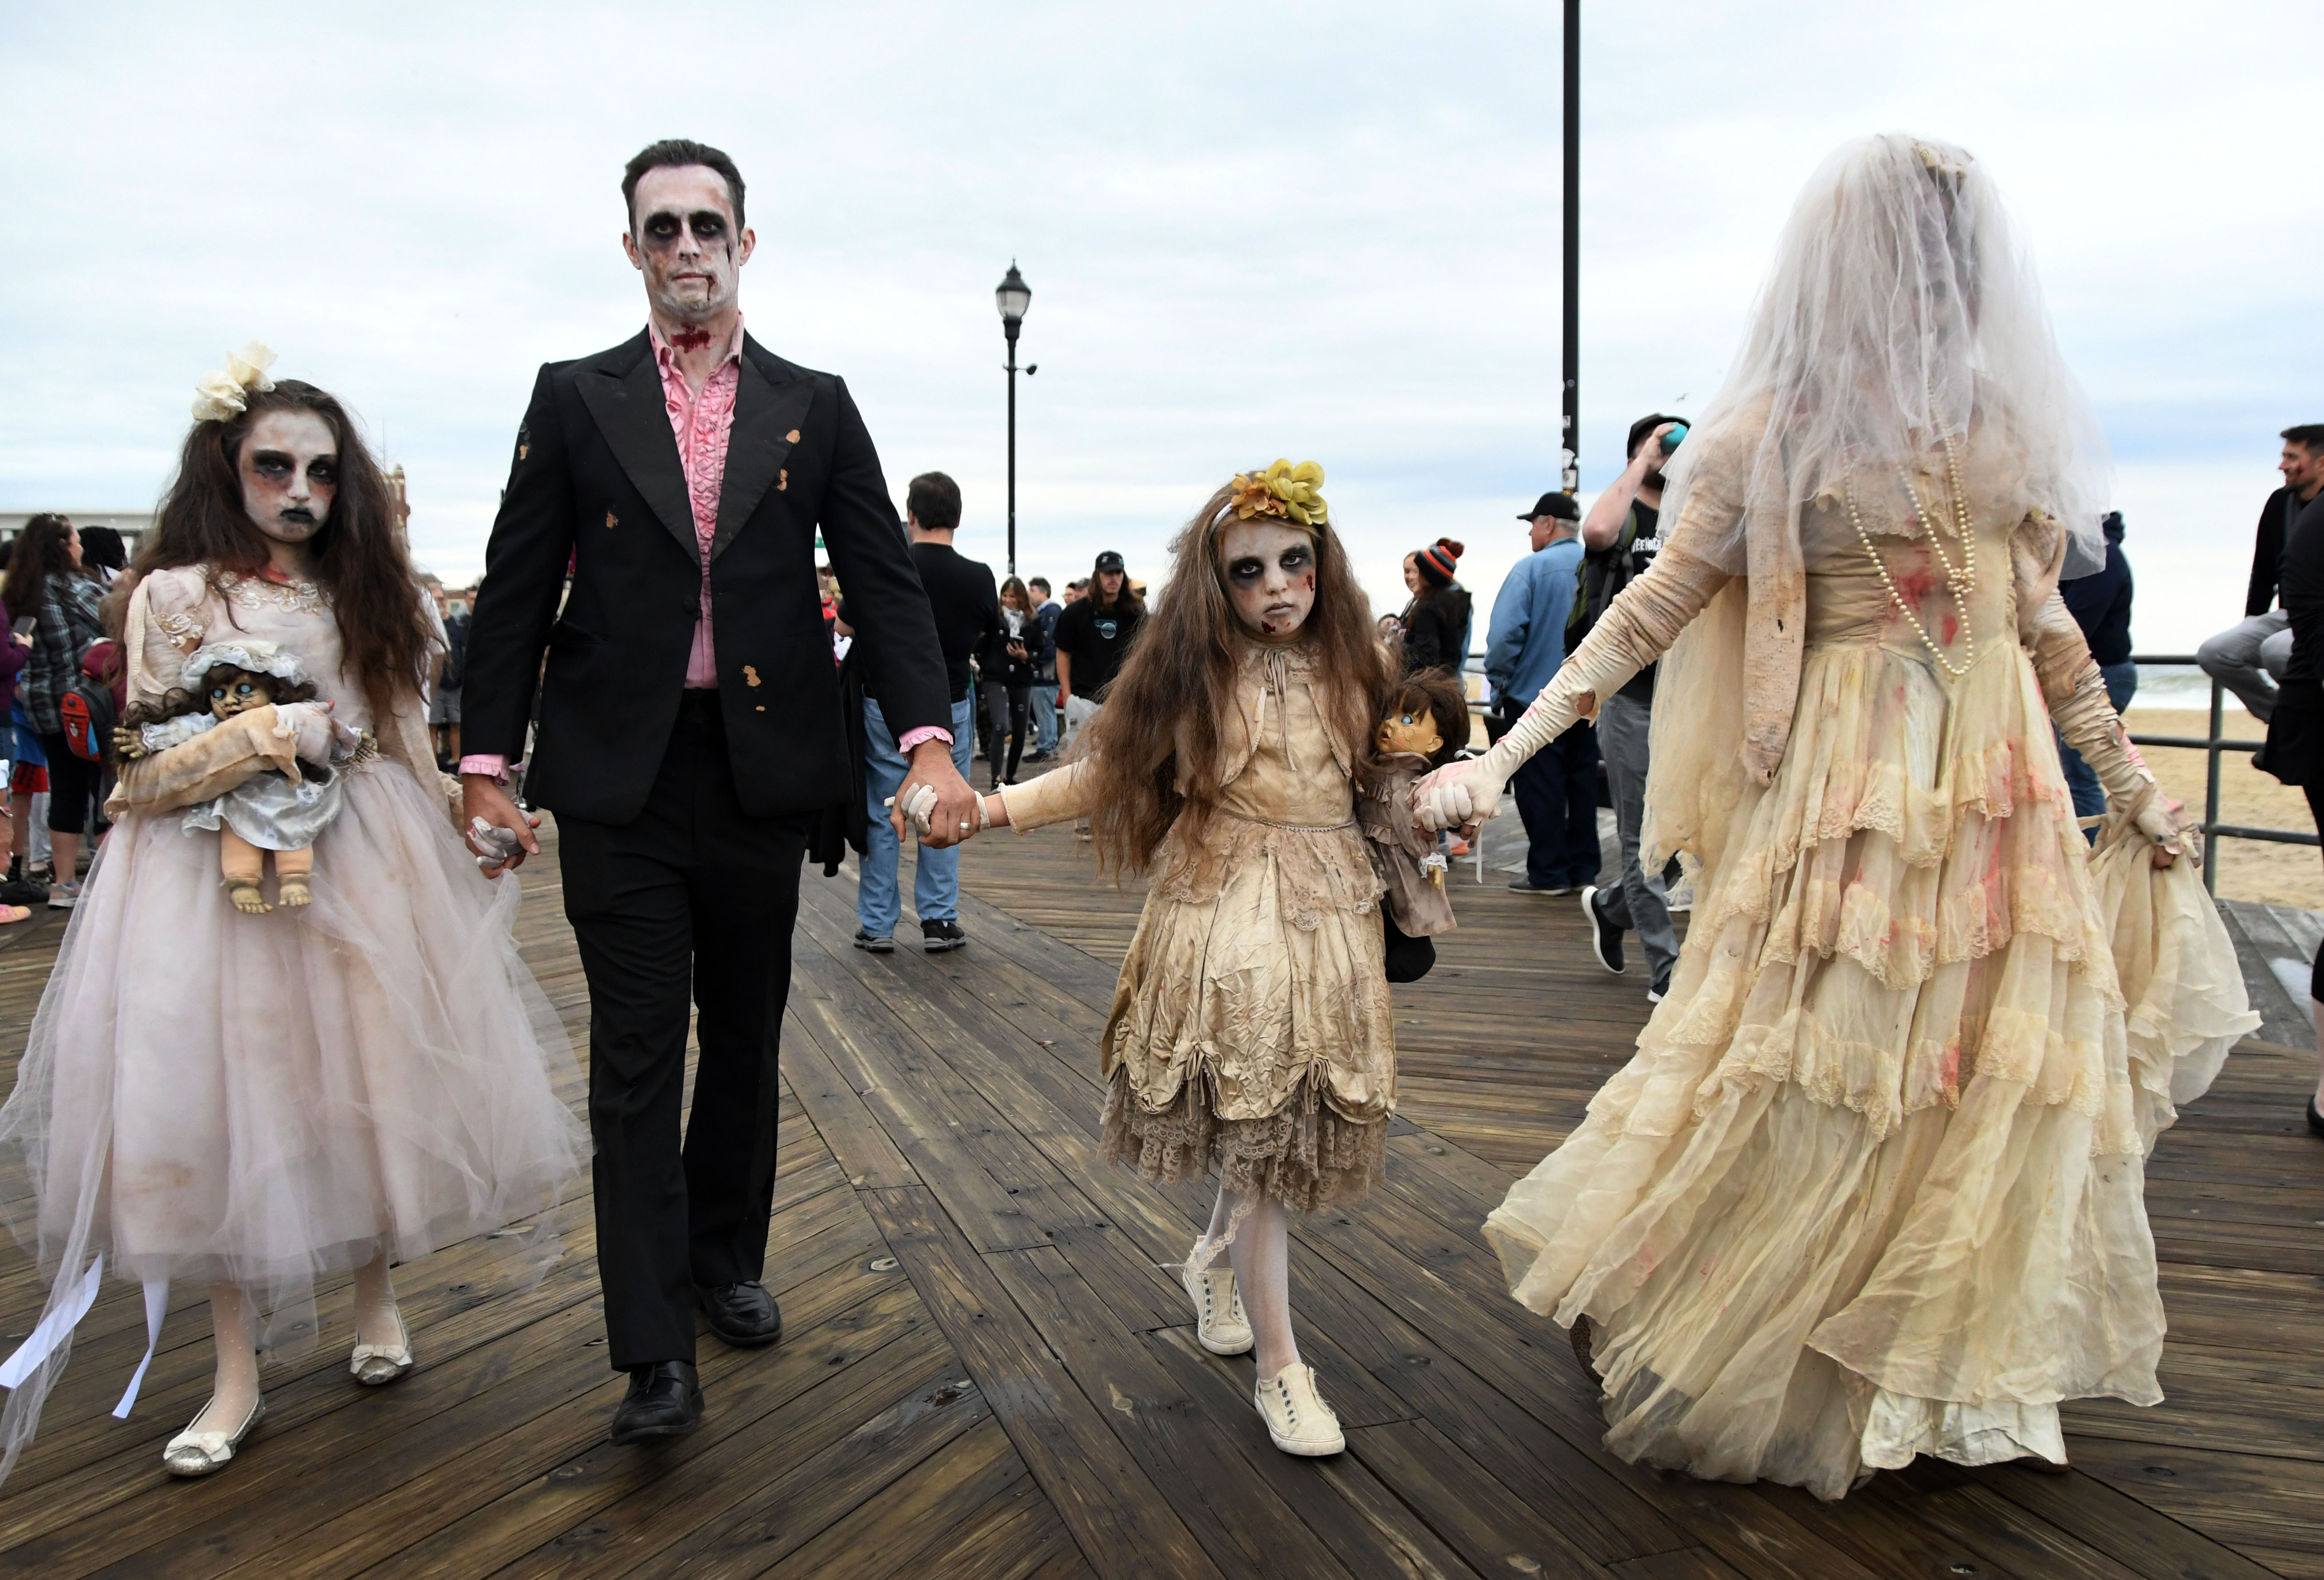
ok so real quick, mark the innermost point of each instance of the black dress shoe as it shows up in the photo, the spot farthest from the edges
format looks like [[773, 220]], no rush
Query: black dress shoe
[[742, 1313], [664, 1401], [2315, 1119]]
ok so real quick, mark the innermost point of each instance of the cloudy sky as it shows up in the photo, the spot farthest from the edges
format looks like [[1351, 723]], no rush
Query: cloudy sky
[[1252, 230]]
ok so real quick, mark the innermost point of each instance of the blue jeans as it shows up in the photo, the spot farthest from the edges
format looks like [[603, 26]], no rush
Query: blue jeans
[[2089, 798], [1045, 715], [935, 885]]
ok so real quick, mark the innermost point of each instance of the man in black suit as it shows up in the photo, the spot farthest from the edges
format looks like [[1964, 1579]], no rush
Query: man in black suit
[[690, 732]]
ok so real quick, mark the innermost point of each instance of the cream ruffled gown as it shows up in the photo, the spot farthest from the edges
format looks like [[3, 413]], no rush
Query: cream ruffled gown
[[266, 1100], [1872, 1184], [1253, 1025]]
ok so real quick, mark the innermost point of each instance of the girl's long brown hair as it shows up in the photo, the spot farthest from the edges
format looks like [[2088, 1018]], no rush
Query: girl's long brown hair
[[359, 558], [1177, 684]]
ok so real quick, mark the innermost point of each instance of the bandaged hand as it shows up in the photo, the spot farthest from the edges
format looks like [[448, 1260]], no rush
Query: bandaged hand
[[2174, 830], [1457, 795], [919, 811], [309, 727]]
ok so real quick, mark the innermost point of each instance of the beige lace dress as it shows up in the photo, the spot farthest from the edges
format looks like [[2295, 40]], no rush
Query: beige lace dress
[[1873, 1185], [1251, 1023]]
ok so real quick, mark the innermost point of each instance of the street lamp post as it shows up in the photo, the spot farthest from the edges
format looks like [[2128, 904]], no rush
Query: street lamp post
[[1013, 297]]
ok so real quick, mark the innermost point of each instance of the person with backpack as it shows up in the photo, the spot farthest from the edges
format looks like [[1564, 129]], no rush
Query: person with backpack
[[47, 582], [1618, 542]]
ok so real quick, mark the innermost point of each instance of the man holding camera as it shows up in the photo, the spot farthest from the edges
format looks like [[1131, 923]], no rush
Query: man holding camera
[[1619, 539]]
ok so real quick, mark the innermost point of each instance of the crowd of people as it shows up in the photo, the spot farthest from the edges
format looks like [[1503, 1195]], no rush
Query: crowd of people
[[1815, 638]]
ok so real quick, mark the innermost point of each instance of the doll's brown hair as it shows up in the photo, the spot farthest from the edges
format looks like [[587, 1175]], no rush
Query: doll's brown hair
[[1160, 723], [180, 700], [1438, 693]]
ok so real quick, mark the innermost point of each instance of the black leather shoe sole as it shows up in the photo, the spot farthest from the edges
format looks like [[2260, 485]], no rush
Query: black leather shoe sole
[[660, 1424], [742, 1338]]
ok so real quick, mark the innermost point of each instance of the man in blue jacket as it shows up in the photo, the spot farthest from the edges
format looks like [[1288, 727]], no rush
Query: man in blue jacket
[[1557, 788]]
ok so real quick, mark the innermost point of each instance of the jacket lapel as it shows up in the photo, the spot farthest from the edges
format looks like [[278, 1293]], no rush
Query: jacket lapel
[[766, 416], [629, 412]]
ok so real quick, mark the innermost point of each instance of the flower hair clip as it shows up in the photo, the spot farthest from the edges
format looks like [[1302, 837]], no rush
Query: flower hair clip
[[225, 394], [1282, 490]]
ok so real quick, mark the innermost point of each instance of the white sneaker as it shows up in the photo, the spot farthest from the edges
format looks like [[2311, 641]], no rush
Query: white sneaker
[[1295, 1415], [1222, 1324]]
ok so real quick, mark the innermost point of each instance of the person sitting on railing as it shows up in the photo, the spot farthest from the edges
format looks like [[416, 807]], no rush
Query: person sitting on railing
[[2248, 658], [2100, 605], [2295, 728]]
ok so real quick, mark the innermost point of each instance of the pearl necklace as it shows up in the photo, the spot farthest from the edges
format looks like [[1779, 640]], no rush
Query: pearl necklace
[[1960, 579]]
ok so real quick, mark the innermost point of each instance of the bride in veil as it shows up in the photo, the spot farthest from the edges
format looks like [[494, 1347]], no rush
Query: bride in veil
[[1872, 1186]]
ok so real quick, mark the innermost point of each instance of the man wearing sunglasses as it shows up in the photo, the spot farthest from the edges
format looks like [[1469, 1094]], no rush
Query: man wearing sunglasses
[[690, 732]]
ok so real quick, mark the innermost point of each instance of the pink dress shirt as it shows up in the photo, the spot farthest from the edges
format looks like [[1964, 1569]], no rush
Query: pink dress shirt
[[702, 421]]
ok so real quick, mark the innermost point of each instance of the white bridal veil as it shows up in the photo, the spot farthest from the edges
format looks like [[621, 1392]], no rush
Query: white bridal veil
[[1901, 311]]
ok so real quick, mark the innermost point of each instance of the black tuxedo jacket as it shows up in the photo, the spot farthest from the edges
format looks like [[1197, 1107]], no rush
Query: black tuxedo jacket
[[596, 484]]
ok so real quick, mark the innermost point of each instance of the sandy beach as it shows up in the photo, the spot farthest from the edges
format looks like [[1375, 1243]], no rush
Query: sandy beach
[[2278, 874]]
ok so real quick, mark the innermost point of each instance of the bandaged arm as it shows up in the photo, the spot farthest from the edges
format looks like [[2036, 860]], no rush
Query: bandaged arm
[[1637, 628], [2084, 714], [218, 759]]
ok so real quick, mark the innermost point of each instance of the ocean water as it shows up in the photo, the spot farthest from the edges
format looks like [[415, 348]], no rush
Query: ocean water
[[2178, 687]]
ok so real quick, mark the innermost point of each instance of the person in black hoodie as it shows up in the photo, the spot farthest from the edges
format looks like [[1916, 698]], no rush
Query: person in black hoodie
[[2100, 605], [1436, 622]]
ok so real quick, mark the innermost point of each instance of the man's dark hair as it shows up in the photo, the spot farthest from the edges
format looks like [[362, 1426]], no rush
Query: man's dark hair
[[1041, 582], [2309, 434], [935, 500], [1641, 428], [671, 153]]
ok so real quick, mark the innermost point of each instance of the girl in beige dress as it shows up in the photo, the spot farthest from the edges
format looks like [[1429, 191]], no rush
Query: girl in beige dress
[[1251, 1026], [1873, 1185]]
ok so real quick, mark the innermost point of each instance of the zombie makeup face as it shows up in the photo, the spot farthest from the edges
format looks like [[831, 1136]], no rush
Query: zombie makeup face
[[233, 691], [1270, 575], [683, 240], [290, 467]]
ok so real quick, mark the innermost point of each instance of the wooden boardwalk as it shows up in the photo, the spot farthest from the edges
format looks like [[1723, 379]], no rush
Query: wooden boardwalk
[[986, 1374]]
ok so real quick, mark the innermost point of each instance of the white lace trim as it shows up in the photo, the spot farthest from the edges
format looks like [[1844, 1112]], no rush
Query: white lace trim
[[253, 592]]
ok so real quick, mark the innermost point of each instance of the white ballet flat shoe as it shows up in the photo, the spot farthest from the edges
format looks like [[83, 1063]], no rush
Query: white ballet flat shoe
[[1295, 1415], [1221, 1325], [192, 1453], [375, 1365]]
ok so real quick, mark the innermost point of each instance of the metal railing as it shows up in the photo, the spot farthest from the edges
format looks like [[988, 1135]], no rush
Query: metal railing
[[2213, 829]]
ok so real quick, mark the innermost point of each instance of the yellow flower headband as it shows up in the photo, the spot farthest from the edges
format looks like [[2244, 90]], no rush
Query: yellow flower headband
[[224, 395], [1282, 490]]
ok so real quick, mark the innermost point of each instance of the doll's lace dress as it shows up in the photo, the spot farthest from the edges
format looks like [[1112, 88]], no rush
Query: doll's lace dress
[[1872, 1184], [267, 1100], [1251, 1027]]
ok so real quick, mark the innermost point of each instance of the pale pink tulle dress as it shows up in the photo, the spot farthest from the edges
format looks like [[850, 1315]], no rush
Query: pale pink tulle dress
[[266, 1100]]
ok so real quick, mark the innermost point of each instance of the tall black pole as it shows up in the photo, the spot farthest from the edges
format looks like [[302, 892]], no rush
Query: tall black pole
[[1570, 425], [1010, 325]]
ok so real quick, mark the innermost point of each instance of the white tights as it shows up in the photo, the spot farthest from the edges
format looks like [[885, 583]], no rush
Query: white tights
[[1256, 1232], [234, 1327]]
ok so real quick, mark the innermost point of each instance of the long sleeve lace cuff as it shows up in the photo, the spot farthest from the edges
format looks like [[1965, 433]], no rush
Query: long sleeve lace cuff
[[1050, 799], [1637, 628], [206, 767]]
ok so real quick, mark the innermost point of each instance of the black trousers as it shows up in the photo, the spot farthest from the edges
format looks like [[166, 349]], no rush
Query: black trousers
[[693, 900], [1556, 791]]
